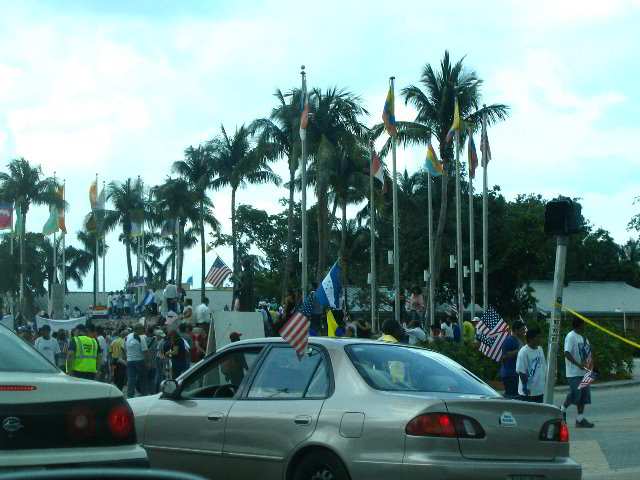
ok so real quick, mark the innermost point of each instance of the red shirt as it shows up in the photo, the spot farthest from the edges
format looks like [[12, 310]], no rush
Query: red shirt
[[198, 339]]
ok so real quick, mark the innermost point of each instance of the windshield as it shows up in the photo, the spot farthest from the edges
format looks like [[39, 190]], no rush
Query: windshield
[[397, 368], [18, 356]]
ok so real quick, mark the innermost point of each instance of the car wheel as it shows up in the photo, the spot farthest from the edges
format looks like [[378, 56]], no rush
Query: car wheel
[[321, 466]]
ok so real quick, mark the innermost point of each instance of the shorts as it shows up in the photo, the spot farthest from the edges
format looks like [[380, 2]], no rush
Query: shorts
[[578, 396]]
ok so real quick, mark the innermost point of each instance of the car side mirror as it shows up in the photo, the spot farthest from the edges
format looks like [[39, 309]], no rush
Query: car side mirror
[[169, 389]]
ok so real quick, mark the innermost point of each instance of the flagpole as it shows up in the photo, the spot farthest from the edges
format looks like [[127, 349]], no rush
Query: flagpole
[[64, 246], [472, 251], [55, 252], [96, 283], [372, 211], [303, 168], [459, 261], [104, 254], [432, 305], [396, 252], [485, 218], [13, 207]]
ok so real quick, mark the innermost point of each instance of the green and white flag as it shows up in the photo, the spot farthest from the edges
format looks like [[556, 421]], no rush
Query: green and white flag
[[52, 225]]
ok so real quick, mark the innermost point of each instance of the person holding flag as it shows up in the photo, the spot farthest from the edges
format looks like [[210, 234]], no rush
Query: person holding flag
[[531, 368]]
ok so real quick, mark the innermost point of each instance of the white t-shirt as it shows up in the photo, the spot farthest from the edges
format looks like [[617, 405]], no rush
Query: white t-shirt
[[103, 348], [170, 291], [49, 348], [202, 314], [579, 349], [417, 334], [531, 362], [447, 330], [135, 348]]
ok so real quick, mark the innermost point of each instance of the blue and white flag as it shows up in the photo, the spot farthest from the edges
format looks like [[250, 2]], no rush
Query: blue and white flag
[[328, 293], [190, 281]]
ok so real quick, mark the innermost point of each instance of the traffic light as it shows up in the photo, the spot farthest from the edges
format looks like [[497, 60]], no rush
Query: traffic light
[[562, 217]]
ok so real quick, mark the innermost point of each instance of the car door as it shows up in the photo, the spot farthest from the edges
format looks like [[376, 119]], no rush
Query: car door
[[278, 411], [187, 433]]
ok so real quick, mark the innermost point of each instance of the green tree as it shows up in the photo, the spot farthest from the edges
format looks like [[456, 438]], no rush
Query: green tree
[[238, 162]]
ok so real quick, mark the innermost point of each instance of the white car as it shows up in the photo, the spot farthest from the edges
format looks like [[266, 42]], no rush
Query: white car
[[50, 420]]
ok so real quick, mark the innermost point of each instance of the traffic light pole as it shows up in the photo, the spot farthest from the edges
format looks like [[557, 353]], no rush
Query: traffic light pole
[[554, 322]]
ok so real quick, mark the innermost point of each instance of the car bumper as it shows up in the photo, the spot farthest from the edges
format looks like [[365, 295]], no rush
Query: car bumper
[[559, 469], [132, 456]]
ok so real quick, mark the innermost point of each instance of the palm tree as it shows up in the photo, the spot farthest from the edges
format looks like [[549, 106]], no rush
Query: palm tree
[[197, 170], [129, 208], [87, 239], [238, 162], [281, 130], [334, 123], [25, 186], [435, 107]]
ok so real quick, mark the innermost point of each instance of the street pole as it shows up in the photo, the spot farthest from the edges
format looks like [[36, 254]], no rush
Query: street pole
[[55, 257], [485, 217], [303, 175], [460, 262], [432, 293], [372, 212], [64, 246], [554, 323], [472, 234], [396, 246], [96, 284]]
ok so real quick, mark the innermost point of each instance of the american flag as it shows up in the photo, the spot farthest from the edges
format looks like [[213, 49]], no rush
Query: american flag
[[296, 330], [218, 273], [492, 331], [590, 376]]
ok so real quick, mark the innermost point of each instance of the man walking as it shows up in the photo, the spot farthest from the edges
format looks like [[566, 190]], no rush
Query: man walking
[[578, 358], [510, 349], [531, 368], [47, 346], [135, 345], [118, 360], [83, 355]]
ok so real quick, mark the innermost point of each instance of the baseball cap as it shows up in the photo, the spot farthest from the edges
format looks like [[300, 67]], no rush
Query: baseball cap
[[233, 335], [475, 319], [159, 333]]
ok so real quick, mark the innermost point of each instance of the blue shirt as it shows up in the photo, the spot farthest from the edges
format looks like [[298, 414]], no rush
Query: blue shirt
[[508, 368]]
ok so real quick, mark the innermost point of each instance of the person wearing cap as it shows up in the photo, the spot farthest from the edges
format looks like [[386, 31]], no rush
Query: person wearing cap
[[83, 355], [47, 346], [469, 331], [234, 337], [510, 349]]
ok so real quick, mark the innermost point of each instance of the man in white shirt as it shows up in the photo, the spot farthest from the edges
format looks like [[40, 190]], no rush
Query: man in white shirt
[[202, 313], [415, 333], [447, 329], [578, 359], [47, 346], [531, 368], [103, 364], [135, 345], [170, 296]]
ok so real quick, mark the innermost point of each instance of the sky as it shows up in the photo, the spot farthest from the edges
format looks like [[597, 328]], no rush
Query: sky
[[121, 88]]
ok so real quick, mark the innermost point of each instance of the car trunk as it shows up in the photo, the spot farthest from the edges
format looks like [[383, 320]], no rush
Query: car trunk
[[512, 428]]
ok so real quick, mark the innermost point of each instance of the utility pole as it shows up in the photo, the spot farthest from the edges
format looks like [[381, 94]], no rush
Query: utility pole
[[303, 175]]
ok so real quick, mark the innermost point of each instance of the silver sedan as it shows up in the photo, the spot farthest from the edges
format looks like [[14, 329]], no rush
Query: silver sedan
[[350, 409]]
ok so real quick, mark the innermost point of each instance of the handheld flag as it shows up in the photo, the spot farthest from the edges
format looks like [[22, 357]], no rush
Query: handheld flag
[[485, 148], [218, 273], [6, 216], [296, 330], [328, 293], [588, 379], [456, 122], [304, 112], [492, 331], [389, 113], [472, 157], [434, 167], [332, 325]]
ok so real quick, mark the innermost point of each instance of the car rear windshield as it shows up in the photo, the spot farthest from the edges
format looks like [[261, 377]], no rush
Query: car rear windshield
[[398, 368], [18, 356]]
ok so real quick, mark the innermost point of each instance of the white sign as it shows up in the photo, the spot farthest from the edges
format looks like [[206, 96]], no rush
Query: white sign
[[66, 325]]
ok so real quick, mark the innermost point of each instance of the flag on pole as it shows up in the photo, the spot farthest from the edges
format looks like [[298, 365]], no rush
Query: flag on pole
[[93, 195], [485, 148], [434, 167], [304, 111], [377, 171], [136, 229], [296, 330], [61, 225], [190, 281], [218, 273], [389, 113], [51, 226], [492, 331], [6, 216], [19, 225], [328, 293], [332, 325], [456, 122], [472, 157], [169, 228], [207, 248]]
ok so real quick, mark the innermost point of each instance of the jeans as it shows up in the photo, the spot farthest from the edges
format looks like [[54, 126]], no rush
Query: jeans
[[136, 373], [119, 373], [159, 374]]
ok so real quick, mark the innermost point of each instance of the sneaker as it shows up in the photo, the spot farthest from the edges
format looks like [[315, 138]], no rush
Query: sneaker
[[584, 423]]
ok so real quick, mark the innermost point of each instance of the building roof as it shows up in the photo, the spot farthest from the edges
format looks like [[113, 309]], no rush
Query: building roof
[[590, 297]]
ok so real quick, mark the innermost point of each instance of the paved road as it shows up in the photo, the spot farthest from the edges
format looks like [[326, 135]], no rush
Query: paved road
[[611, 450]]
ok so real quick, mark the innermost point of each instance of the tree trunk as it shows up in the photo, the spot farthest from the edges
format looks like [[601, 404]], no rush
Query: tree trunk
[[202, 251], [343, 246], [173, 256], [180, 253], [440, 230], [322, 228], [23, 268], [234, 240], [288, 262], [128, 251]]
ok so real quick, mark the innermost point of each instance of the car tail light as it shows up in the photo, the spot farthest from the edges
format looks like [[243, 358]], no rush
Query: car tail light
[[554, 431], [444, 425], [120, 421], [16, 388]]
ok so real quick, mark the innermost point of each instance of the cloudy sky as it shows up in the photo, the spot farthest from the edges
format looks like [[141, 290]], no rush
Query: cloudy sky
[[120, 88]]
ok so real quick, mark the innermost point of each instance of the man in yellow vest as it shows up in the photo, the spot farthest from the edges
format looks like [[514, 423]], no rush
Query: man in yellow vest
[[83, 355]]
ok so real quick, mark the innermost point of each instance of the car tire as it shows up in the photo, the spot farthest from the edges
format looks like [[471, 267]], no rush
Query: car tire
[[321, 465]]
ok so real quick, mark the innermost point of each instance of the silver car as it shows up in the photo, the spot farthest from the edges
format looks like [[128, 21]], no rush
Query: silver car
[[349, 409]]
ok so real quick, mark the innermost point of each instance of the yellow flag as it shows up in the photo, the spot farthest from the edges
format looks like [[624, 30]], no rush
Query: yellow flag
[[456, 122], [332, 326]]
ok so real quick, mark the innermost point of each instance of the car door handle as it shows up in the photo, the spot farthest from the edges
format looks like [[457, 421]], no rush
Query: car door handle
[[214, 417], [302, 420]]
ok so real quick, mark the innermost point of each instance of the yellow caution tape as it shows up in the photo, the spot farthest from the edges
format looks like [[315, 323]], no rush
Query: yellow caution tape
[[593, 324]]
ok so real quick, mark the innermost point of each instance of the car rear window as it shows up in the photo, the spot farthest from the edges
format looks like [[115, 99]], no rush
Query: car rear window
[[18, 356], [398, 368]]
